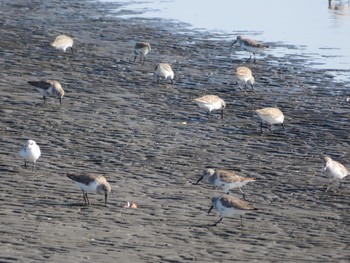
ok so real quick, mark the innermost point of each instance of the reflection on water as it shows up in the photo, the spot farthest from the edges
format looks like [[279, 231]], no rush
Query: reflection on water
[[320, 28]]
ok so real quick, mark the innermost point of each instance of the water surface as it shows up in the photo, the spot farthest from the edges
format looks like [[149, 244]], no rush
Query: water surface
[[321, 31]]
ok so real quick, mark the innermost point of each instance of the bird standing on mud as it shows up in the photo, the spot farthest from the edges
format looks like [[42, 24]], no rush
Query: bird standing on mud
[[49, 88]]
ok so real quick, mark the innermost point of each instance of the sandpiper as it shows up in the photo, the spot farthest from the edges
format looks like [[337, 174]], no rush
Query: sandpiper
[[334, 169], [228, 205], [62, 42], [164, 70], [142, 49], [210, 103], [250, 45], [244, 74], [49, 88], [91, 183], [225, 179], [270, 116], [30, 152]]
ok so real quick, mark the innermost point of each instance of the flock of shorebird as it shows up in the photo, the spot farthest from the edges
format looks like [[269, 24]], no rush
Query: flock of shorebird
[[226, 204]]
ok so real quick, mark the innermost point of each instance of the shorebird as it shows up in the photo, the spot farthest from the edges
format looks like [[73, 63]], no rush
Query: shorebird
[[62, 42], [250, 45], [270, 116], [163, 70], [228, 205], [91, 183], [210, 103], [334, 170], [142, 49], [244, 74], [30, 152], [49, 88], [225, 179]]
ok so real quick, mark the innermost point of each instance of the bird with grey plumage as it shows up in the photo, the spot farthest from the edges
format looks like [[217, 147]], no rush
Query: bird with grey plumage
[[225, 179], [141, 49], [49, 88], [228, 205], [250, 45], [91, 183]]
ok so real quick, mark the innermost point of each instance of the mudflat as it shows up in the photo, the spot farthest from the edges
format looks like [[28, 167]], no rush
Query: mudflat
[[151, 142]]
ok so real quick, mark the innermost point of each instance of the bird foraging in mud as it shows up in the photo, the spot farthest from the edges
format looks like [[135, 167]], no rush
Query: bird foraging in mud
[[244, 75], [141, 49], [91, 183], [228, 205], [250, 45], [164, 70], [270, 116], [62, 42], [49, 88], [210, 103], [225, 179]]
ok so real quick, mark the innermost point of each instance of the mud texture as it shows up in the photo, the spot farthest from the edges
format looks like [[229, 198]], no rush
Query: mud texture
[[151, 142]]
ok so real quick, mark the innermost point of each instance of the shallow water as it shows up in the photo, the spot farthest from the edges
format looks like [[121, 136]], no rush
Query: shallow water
[[320, 31]]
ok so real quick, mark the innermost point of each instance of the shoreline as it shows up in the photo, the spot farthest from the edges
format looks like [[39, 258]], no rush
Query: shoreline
[[151, 142]]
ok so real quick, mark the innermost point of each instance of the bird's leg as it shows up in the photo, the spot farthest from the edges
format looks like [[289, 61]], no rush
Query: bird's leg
[[44, 99], [135, 58], [210, 209], [88, 202], [25, 164], [72, 50], [254, 58], [282, 126], [222, 113], [330, 183], [209, 115], [172, 82], [249, 58], [261, 127], [84, 196], [241, 221], [252, 88], [60, 101], [33, 167], [218, 221], [270, 127], [242, 193]]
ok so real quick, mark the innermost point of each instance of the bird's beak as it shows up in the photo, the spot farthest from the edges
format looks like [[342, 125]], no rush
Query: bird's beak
[[199, 179], [210, 209], [234, 43]]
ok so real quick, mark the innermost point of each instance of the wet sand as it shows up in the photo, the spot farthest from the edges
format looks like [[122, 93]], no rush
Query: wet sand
[[151, 142]]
